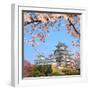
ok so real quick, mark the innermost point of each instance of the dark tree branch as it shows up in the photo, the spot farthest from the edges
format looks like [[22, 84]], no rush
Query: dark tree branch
[[71, 24], [26, 23]]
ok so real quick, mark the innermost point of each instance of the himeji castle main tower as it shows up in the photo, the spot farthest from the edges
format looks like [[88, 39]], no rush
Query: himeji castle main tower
[[61, 54]]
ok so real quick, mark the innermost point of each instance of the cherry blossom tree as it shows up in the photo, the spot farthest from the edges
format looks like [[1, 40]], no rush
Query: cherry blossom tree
[[43, 23], [27, 68], [77, 58]]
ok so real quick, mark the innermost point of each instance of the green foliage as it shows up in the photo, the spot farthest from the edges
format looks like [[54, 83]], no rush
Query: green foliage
[[71, 71], [41, 70], [36, 73], [46, 70], [56, 73]]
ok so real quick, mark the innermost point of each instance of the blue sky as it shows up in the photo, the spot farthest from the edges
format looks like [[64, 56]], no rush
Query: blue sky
[[51, 41]]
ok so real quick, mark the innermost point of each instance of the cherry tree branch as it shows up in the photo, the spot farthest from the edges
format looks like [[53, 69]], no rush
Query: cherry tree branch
[[71, 24], [26, 23]]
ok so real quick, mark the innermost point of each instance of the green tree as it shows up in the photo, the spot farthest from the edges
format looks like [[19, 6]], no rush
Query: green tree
[[35, 71]]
